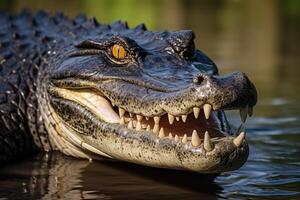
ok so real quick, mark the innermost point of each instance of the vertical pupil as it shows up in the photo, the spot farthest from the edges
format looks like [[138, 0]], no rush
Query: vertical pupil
[[118, 50]]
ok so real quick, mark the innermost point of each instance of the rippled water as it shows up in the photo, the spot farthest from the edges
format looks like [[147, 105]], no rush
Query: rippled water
[[260, 38]]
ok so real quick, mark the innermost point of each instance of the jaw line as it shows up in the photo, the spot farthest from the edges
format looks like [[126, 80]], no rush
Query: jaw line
[[127, 136], [101, 107], [147, 149]]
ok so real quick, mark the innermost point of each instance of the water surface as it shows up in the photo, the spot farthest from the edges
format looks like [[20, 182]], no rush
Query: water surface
[[260, 38]]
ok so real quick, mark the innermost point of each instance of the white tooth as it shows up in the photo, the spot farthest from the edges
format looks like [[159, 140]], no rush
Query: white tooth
[[177, 118], [184, 139], [138, 126], [156, 128], [250, 111], [244, 113], [196, 111], [130, 124], [147, 118], [131, 115], [207, 110], [139, 117], [122, 121], [195, 139], [121, 112], [148, 128], [156, 120], [239, 139], [170, 136], [176, 138], [184, 117], [161, 133], [113, 105], [208, 146], [134, 123], [171, 118]]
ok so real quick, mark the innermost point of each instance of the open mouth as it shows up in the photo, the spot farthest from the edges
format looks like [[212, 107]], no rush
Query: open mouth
[[199, 127]]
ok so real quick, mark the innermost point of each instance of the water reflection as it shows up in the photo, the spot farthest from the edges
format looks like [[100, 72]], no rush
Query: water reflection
[[260, 38], [45, 176], [54, 176]]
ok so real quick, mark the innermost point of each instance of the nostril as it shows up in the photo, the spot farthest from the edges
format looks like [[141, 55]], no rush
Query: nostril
[[198, 79]]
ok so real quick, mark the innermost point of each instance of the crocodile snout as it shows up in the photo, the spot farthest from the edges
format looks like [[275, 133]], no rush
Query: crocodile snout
[[231, 91]]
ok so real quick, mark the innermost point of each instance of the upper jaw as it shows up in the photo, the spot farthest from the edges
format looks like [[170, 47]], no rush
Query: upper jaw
[[232, 91]]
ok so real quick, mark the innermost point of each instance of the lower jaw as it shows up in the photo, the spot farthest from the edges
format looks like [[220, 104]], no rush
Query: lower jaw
[[146, 148], [149, 150]]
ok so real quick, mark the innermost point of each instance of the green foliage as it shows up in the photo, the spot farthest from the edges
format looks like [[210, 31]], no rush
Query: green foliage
[[291, 8]]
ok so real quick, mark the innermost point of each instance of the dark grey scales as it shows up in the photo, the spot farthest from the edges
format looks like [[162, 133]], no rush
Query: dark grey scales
[[107, 91]]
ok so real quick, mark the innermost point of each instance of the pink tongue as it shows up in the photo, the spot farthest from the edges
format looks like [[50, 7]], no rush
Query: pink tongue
[[96, 104], [103, 109]]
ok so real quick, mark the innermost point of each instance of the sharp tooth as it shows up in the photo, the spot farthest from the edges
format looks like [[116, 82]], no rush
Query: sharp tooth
[[156, 128], [139, 117], [122, 120], [138, 126], [121, 112], [184, 117], [170, 136], [161, 133], [171, 118], [147, 118], [184, 139], [195, 139], [156, 120], [250, 111], [239, 139], [177, 118], [113, 105], [244, 113], [148, 128], [176, 138], [131, 115], [130, 125], [207, 110], [196, 111], [134, 123], [208, 146]]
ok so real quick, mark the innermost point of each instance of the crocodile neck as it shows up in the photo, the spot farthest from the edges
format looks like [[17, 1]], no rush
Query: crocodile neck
[[22, 125], [26, 43]]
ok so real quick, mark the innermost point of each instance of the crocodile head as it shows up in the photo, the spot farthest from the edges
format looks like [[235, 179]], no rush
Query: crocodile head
[[149, 98]]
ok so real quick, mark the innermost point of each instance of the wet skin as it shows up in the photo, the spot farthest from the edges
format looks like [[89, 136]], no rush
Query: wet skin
[[144, 97]]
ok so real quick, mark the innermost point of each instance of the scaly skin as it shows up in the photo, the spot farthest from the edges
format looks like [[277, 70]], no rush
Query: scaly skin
[[63, 88]]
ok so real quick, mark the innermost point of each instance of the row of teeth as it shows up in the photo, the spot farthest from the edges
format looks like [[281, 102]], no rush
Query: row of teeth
[[207, 108], [195, 139]]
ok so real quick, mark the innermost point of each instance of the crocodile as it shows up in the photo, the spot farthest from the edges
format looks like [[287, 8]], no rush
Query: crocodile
[[99, 91]]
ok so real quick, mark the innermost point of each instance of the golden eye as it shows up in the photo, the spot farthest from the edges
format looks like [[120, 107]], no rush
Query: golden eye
[[118, 51]]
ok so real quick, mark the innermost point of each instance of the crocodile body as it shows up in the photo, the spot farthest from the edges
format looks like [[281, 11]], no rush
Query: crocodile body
[[91, 90]]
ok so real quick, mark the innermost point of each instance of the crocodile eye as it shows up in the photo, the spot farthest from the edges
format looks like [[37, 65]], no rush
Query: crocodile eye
[[118, 51]]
